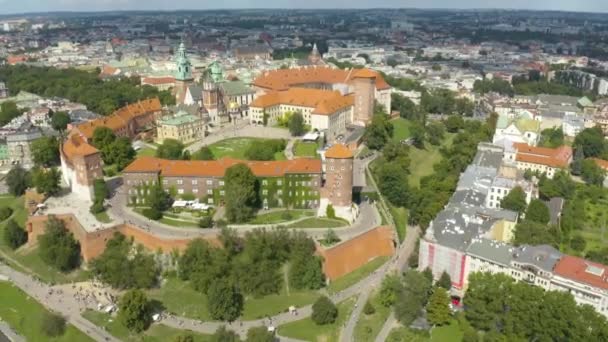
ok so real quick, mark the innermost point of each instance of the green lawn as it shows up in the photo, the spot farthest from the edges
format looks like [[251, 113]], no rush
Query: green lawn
[[29, 257], [401, 130], [355, 276], [308, 330], [278, 216], [423, 160], [369, 326], [400, 216], [319, 222], [103, 217], [24, 315], [236, 147], [156, 332], [178, 223], [305, 149], [180, 298], [146, 152], [447, 333]]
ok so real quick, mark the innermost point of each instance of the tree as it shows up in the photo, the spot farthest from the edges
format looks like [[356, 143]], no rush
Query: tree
[[578, 243], [591, 140], [378, 132], [170, 149], [224, 335], [184, 338], [538, 212], [159, 200], [120, 152], [296, 124], [331, 237], [100, 193], [205, 222], [454, 123], [515, 200], [369, 308], [134, 311], [435, 132], [9, 111], [389, 290], [592, 173], [330, 212], [418, 134], [444, 281], [393, 183], [535, 233], [103, 137], [5, 212], [438, 309], [45, 151], [57, 246], [265, 150], [60, 121], [306, 272], [241, 196], [225, 303], [259, 334], [560, 186], [14, 235], [413, 297], [18, 180], [324, 311], [552, 137], [52, 325], [204, 153], [47, 181]]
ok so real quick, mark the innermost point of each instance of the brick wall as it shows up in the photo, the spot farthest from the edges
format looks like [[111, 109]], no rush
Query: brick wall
[[350, 255], [93, 243]]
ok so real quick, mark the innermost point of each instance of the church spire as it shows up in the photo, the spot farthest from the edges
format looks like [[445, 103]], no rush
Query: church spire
[[184, 67]]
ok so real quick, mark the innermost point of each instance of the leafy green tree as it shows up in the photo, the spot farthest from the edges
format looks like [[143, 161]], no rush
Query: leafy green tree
[[225, 303], [591, 140], [418, 135], [18, 180], [454, 123], [331, 237], [224, 335], [241, 196], [259, 334], [134, 311], [45, 151], [60, 121], [159, 199], [560, 186], [122, 268], [592, 173], [14, 235], [47, 181], [103, 137], [438, 309], [203, 153], [413, 297], [306, 272], [536, 233], [264, 150], [378, 132], [435, 132], [52, 325], [170, 149], [5, 212], [515, 200], [324, 311], [57, 246], [120, 152], [552, 137], [9, 111], [393, 183], [296, 124], [389, 290], [578, 243], [444, 281], [464, 106], [330, 211], [538, 212]]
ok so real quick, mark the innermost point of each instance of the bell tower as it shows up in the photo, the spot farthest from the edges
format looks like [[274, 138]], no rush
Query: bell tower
[[183, 74]]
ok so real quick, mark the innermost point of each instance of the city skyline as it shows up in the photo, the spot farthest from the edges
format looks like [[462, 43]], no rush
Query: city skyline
[[27, 6]]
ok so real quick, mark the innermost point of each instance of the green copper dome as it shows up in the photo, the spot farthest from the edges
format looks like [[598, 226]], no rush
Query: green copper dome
[[216, 72]]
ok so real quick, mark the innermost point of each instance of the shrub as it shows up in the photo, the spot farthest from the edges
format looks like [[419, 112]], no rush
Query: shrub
[[330, 212], [205, 222], [324, 311], [96, 208], [14, 235], [221, 223], [52, 325], [369, 309], [5, 212], [286, 215], [152, 214]]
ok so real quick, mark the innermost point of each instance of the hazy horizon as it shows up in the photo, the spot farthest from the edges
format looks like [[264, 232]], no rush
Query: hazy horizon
[[38, 6]]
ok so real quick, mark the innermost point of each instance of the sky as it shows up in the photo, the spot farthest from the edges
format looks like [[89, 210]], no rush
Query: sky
[[21, 6]]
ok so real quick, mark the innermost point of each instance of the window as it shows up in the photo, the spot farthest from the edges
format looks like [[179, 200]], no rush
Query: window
[[279, 182], [180, 181], [265, 182], [209, 182], [194, 182], [180, 191], [221, 183], [195, 191], [222, 192], [209, 192], [264, 192], [165, 181]]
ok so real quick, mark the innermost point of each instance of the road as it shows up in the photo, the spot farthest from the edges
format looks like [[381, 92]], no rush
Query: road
[[67, 306]]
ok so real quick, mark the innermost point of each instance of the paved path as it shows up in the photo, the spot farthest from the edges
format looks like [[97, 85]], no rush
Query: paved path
[[388, 326], [7, 334], [67, 306]]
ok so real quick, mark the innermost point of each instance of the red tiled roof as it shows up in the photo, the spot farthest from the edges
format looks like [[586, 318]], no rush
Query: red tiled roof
[[582, 271], [217, 168], [157, 80], [324, 102], [76, 146], [284, 79], [553, 157], [338, 151], [601, 163]]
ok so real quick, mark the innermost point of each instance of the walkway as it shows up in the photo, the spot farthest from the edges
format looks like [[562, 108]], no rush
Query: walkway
[[67, 306]]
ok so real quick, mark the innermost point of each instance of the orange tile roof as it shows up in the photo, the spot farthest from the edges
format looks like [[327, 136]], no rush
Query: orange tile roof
[[582, 271], [364, 73], [338, 151], [157, 80], [76, 146], [601, 163], [15, 59], [121, 117], [284, 79], [217, 168], [324, 102], [553, 157]]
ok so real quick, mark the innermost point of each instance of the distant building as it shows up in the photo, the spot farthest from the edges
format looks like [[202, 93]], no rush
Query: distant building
[[244, 53], [81, 164], [160, 83], [540, 159], [19, 146], [182, 126]]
